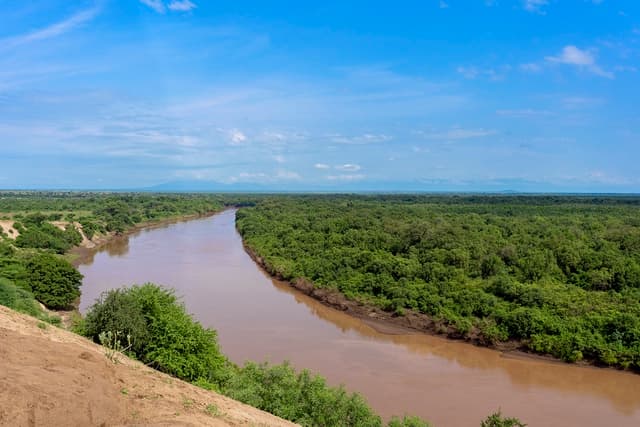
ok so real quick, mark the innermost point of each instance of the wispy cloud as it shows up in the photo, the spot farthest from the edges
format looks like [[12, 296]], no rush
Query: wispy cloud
[[473, 72], [174, 5], [348, 167], [181, 5], [237, 137], [321, 166], [531, 67], [287, 175], [583, 59], [458, 133], [367, 138], [535, 6], [524, 113], [53, 30], [157, 5], [346, 177]]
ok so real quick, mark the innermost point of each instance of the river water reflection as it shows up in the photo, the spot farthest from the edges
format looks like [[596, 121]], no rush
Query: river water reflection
[[449, 383]]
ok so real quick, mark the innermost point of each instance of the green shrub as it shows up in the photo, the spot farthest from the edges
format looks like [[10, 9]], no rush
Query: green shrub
[[53, 281], [497, 420], [18, 299], [21, 300], [163, 334], [407, 421], [118, 311], [299, 397]]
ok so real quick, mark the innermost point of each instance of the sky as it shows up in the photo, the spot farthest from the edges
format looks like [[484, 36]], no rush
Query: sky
[[430, 95]]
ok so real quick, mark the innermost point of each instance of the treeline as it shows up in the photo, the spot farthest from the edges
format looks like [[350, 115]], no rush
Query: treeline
[[559, 274], [103, 212], [31, 268], [150, 324]]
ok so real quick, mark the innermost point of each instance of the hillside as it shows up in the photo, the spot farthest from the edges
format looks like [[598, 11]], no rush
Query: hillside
[[49, 376]]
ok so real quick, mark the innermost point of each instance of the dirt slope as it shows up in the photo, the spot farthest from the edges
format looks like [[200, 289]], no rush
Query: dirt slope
[[52, 377]]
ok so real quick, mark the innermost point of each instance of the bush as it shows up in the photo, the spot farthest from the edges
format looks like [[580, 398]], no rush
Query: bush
[[18, 299], [299, 397], [407, 422], [497, 420], [22, 301], [118, 311], [42, 235], [53, 281], [163, 335]]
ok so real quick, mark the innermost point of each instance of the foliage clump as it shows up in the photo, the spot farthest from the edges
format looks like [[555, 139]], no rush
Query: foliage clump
[[53, 281], [159, 332]]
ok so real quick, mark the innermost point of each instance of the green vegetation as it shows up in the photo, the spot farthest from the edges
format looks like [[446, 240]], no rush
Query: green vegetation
[[152, 323], [53, 281], [497, 420], [23, 301], [31, 263], [159, 332], [559, 274], [95, 212]]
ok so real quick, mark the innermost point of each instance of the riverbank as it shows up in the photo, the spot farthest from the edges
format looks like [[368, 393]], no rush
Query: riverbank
[[82, 253], [410, 321], [259, 319]]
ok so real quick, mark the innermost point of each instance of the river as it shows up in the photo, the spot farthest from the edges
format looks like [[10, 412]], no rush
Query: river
[[447, 382]]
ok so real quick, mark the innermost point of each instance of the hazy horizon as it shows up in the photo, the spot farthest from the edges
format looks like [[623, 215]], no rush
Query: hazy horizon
[[530, 96]]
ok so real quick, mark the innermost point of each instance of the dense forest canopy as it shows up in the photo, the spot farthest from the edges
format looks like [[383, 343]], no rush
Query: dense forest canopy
[[560, 274]]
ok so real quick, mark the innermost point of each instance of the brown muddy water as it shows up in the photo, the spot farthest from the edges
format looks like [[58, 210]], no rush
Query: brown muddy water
[[449, 383]]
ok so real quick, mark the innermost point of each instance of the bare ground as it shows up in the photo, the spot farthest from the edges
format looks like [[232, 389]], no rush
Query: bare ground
[[7, 227], [52, 377]]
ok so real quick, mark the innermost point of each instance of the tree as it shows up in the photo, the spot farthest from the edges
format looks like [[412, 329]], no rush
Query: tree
[[53, 281]]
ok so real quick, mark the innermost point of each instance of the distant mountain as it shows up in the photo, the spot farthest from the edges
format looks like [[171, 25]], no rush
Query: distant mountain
[[503, 186]]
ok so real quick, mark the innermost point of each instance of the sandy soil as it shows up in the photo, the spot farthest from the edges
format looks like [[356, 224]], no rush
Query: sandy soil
[[52, 377], [7, 228]]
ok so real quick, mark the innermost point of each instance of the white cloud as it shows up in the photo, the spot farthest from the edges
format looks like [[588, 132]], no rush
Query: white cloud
[[346, 177], [321, 166], [458, 133], [181, 5], [280, 175], [494, 74], [53, 30], [580, 102], [584, 59], [417, 149], [348, 167], [248, 177], [443, 5], [531, 67], [573, 56], [288, 175], [535, 5], [279, 158], [367, 138], [524, 113], [156, 5], [236, 137]]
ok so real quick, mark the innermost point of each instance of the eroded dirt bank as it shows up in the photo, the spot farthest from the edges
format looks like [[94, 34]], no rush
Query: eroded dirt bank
[[52, 377]]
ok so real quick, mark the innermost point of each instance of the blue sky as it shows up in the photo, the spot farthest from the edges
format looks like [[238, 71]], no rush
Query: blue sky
[[530, 95]]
